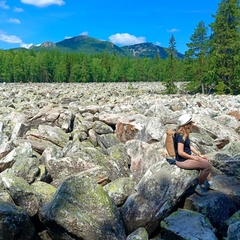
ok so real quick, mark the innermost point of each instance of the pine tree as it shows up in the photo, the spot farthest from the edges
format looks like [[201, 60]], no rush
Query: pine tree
[[197, 58], [225, 47], [171, 66]]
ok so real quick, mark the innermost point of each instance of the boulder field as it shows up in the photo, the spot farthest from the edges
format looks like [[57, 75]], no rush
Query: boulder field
[[88, 162]]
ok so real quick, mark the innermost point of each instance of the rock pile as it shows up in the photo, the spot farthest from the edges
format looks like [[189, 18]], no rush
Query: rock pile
[[88, 161]]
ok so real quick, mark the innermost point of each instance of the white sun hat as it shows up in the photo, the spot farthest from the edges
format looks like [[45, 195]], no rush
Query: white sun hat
[[184, 120]]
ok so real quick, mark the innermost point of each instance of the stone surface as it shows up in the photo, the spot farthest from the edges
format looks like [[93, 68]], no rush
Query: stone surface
[[113, 134], [177, 226]]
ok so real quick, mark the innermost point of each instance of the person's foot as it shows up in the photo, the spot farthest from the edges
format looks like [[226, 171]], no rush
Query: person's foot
[[200, 190], [206, 184], [210, 185], [194, 183]]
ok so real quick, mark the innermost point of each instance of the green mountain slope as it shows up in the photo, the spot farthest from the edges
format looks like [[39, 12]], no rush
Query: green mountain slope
[[89, 45]]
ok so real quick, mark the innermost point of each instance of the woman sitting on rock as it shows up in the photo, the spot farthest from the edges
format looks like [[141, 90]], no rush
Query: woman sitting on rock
[[185, 159]]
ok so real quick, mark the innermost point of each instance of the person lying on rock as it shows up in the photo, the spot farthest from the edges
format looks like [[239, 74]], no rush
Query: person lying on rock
[[186, 160]]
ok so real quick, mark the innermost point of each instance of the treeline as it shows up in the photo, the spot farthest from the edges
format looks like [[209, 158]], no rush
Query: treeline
[[211, 63], [53, 66]]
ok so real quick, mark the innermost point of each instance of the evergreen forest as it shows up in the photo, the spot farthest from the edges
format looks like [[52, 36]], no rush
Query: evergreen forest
[[211, 63]]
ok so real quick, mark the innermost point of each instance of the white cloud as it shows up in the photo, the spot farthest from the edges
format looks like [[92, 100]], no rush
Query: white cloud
[[173, 30], [84, 34], [14, 20], [16, 9], [14, 40], [126, 39], [10, 38], [158, 43], [67, 37], [3, 5], [43, 3], [25, 45]]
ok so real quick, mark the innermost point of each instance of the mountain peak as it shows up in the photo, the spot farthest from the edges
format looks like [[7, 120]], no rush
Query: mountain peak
[[48, 45], [148, 49], [89, 45]]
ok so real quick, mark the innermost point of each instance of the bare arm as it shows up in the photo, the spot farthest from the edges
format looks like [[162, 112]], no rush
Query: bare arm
[[194, 151], [197, 153]]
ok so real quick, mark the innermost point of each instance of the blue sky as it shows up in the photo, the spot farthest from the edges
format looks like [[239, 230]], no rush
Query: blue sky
[[126, 22]]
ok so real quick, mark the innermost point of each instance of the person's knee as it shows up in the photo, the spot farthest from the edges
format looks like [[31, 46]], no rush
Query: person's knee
[[206, 165], [209, 166]]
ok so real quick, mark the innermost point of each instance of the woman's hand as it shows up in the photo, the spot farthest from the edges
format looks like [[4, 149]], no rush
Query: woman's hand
[[202, 156], [196, 158]]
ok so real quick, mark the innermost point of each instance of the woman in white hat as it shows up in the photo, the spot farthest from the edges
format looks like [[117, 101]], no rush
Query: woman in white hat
[[185, 159]]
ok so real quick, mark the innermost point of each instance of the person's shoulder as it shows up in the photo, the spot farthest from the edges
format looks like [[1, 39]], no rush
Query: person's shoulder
[[179, 135]]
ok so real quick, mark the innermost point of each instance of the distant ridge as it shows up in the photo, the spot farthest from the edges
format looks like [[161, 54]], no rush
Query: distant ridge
[[88, 45], [148, 50]]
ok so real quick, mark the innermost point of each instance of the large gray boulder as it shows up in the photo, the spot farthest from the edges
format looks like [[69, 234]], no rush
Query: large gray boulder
[[46, 136], [138, 234], [143, 156], [178, 226], [44, 191], [217, 206], [55, 116], [17, 154], [15, 223], [120, 189], [227, 161], [81, 209], [234, 219], [233, 232], [155, 196], [22, 193]]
